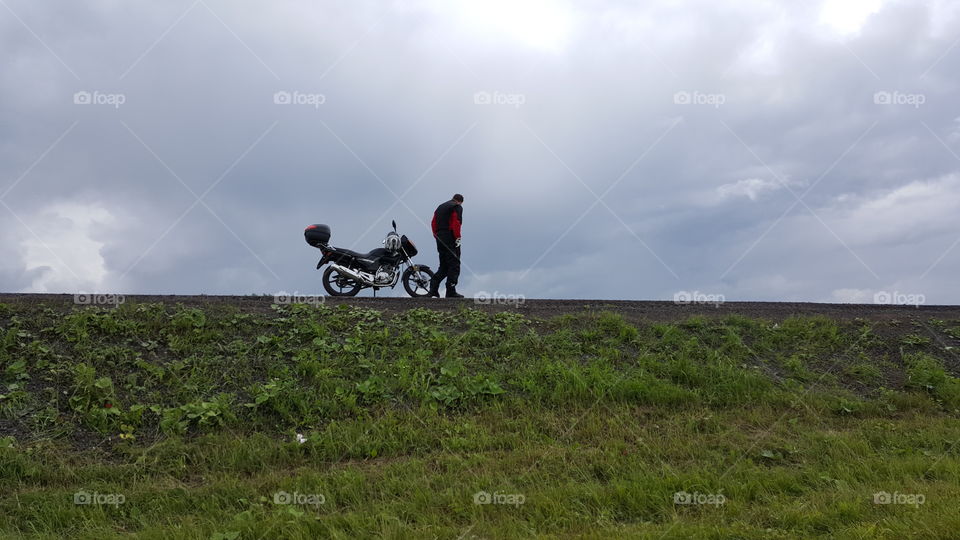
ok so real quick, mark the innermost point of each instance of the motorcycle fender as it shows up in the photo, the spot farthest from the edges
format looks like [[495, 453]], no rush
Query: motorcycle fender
[[323, 261], [422, 267]]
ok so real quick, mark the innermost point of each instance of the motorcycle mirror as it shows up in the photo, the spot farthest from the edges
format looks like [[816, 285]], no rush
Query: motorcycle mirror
[[394, 225]]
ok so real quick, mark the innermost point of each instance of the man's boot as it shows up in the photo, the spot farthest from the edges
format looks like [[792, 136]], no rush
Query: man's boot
[[452, 292], [434, 288]]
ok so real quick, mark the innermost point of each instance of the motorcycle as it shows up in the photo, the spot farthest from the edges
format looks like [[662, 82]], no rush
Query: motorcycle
[[349, 271]]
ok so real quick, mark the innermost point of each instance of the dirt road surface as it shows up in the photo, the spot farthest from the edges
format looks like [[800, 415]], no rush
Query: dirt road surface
[[630, 309]]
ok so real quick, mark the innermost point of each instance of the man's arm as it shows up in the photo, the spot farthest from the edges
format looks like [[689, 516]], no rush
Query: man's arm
[[456, 218]]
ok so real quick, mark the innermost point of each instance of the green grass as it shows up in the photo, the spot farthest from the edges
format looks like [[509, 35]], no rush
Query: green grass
[[187, 420]]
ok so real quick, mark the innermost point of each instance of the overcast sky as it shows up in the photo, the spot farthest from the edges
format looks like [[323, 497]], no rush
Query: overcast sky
[[759, 150]]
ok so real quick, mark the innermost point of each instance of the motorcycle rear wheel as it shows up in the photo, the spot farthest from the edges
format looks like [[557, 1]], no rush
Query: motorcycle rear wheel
[[416, 281], [337, 284]]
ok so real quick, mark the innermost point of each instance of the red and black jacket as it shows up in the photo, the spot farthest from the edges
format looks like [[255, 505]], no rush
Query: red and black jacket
[[447, 217]]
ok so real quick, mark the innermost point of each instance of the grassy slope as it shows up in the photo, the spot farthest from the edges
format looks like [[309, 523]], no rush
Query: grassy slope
[[592, 422]]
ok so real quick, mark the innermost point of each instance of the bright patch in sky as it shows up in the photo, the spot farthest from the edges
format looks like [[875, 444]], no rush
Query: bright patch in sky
[[65, 248], [539, 24], [848, 16], [750, 188]]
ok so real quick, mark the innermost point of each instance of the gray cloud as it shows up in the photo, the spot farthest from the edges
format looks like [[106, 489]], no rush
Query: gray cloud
[[700, 124]]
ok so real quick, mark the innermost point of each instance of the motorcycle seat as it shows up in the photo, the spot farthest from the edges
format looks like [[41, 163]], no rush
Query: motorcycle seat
[[369, 255]]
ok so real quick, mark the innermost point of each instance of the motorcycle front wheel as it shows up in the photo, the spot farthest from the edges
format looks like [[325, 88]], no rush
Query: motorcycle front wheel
[[338, 284], [416, 281]]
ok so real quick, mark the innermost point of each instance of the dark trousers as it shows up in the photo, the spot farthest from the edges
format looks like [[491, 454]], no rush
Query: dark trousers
[[449, 260]]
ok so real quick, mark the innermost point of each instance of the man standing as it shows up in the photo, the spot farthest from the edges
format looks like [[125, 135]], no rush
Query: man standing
[[446, 229]]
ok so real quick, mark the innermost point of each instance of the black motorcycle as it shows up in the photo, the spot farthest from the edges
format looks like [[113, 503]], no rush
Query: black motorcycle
[[349, 271]]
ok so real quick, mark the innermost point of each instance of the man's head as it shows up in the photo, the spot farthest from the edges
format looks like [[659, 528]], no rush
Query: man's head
[[458, 198]]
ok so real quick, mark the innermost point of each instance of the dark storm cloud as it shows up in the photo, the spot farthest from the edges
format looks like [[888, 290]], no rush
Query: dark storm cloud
[[699, 125]]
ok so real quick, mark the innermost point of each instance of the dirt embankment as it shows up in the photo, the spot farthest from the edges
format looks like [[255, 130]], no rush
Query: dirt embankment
[[630, 309]]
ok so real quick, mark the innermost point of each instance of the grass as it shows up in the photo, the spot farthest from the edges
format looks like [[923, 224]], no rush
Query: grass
[[177, 422]]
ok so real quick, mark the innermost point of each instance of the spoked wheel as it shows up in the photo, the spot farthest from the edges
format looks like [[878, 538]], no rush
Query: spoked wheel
[[416, 280], [338, 284]]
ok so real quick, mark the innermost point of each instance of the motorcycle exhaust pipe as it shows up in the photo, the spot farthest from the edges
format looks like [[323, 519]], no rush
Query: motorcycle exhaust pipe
[[353, 274]]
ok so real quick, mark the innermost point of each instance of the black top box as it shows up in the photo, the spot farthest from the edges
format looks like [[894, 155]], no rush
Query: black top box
[[317, 235]]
